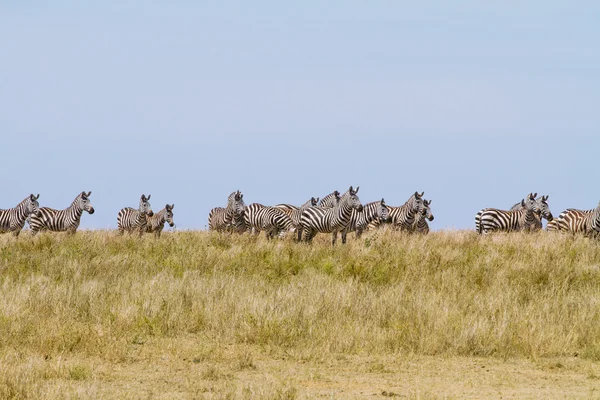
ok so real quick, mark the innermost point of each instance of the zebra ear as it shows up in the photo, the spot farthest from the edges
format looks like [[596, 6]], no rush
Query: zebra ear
[[545, 197], [535, 195], [148, 198], [356, 191], [522, 202], [351, 190], [382, 202], [89, 193], [172, 206]]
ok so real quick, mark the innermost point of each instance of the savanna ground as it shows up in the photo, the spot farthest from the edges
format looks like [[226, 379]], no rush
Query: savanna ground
[[207, 315]]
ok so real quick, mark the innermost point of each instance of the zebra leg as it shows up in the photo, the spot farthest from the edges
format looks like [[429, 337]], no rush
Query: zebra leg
[[308, 235], [344, 233], [358, 233], [157, 234], [333, 238]]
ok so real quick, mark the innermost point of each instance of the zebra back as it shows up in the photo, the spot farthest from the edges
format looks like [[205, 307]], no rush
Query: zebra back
[[62, 220], [273, 220], [330, 200], [13, 219]]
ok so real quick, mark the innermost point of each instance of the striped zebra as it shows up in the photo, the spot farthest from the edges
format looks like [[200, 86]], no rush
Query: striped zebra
[[228, 219], [359, 220], [420, 224], [403, 217], [492, 219], [156, 223], [131, 220], [272, 220], [62, 220], [586, 222], [297, 215], [13, 219], [330, 220], [542, 211], [330, 200]]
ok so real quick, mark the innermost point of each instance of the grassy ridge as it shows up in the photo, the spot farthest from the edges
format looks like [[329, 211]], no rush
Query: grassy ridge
[[96, 295]]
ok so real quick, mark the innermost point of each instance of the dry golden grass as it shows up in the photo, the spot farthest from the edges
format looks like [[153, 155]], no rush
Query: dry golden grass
[[207, 315]]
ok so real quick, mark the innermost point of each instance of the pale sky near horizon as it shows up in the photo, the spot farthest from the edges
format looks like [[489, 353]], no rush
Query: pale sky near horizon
[[475, 103]]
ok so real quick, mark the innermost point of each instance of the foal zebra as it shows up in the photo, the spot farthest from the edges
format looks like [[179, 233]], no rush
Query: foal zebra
[[62, 220], [492, 219], [359, 220], [227, 219], [575, 221], [13, 219], [330, 220], [156, 223], [330, 200], [273, 220], [129, 219], [420, 224]]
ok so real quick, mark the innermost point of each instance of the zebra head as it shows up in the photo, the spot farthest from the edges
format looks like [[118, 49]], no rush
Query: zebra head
[[351, 199], [145, 207], [383, 212], [236, 202], [33, 207], [169, 214], [529, 203], [543, 209], [84, 202], [416, 203], [427, 214]]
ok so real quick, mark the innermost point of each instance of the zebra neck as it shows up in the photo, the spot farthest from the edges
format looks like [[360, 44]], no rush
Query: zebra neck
[[343, 211]]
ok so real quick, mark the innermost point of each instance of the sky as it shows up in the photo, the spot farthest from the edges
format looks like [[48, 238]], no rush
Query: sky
[[475, 103]]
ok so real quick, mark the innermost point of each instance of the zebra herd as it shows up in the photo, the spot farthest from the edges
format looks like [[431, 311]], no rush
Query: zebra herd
[[334, 213], [68, 220], [527, 216]]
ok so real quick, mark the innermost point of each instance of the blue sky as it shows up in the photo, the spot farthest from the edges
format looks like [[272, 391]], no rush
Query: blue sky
[[475, 103]]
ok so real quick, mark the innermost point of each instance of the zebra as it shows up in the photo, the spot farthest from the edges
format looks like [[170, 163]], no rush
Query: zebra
[[13, 219], [330, 200], [129, 219], [62, 220], [492, 219], [330, 220], [542, 211], [420, 224], [156, 223], [359, 220], [273, 220], [403, 217], [227, 219], [297, 215], [576, 221]]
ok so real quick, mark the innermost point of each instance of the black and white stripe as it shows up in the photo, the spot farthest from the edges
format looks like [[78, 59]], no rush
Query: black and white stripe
[[62, 220], [586, 222], [131, 220], [493, 220], [330, 220], [272, 220], [359, 220], [156, 223], [228, 219], [13, 219]]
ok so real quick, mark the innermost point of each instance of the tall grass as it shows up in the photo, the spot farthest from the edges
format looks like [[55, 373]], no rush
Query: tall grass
[[96, 294]]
